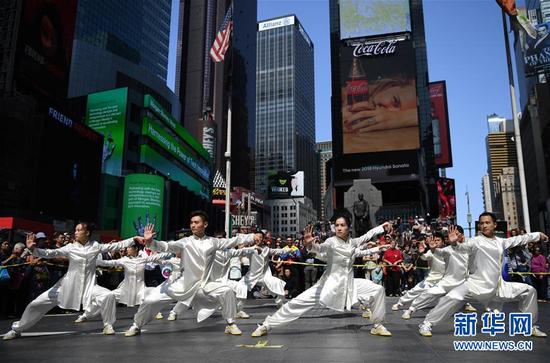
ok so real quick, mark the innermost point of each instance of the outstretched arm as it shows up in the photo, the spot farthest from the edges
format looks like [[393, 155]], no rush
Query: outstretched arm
[[523, 239], [45, 253], [383, 228], [159, 246]]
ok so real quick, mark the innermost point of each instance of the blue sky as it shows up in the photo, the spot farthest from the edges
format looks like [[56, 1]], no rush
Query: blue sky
[[465, 46]]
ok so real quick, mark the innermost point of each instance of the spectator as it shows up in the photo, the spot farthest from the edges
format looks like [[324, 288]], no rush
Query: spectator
[[291, 287], [520, 261], [393, 257], [17, 288], [539, 266], [371, 262]]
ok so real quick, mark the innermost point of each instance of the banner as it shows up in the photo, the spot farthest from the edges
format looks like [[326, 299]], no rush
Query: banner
[[378, 95], [537, 51], [446, 198], [360, 18], [106, 114], [143, 203], [440, 124]]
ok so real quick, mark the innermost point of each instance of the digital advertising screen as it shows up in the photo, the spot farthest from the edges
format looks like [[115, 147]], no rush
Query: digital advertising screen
[[378, 95], [106, 114], [360, 18], [440, 124], [143, 203]]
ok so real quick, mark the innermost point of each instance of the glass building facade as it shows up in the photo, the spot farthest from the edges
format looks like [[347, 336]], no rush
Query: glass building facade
[[125, 36], [285, 103]]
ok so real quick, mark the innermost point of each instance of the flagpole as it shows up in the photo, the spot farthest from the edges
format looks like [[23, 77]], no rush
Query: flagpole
[[228, 175], [517, 132]]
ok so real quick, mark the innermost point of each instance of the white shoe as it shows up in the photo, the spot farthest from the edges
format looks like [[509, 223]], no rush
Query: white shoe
[[81, 318], [133, 331], [425, 329], [172, 316], [108, 330], [406, 314], [12, 334], [396, 306], [242, 315], [380, 330], [159, 316], [367, 314], [233, 329], [536, 332], [261, 330], [469, 308]]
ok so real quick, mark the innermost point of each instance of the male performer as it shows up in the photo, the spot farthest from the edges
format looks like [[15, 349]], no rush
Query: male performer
[[456, 272], [486, 283], [78, 286], [437, 269], [260, 273], [197, 254], [337, 289]]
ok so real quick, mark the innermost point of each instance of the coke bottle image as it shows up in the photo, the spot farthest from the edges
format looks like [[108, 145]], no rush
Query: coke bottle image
[[357, 85]]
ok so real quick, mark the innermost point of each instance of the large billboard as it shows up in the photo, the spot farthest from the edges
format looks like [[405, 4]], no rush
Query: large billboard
[[537, 50], [440, 125], [285, 185], [446, 197], [378, 93], [142, 204], [45, 46], [106, 113], [360, 18]]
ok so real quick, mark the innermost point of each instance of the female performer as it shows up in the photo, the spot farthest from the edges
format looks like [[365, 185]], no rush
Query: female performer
[[337, 289], [77, 287]]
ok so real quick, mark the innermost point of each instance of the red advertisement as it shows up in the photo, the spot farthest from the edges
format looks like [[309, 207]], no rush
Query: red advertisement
[[446, 198], [440, 124]]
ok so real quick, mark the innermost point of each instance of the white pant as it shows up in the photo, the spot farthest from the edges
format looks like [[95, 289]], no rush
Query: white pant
[[102, 299], [155, 300], [513, 291], [367, 293], [415, 292]]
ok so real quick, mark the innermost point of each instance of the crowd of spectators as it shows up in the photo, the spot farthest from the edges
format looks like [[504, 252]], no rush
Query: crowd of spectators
[[23, 277]]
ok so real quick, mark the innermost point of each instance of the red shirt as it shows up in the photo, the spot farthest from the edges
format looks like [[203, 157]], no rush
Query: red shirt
[[393, 255]]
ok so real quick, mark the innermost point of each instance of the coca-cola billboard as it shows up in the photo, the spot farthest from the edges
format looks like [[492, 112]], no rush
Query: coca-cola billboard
[[378, 95], [440, 124]]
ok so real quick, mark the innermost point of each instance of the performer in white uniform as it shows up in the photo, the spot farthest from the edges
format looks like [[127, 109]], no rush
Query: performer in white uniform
[[485, 284], [437, 269], [131, 290], [337, 289], [197, 254], [456, 272], [220, 274], [78, 286], [260, 273]]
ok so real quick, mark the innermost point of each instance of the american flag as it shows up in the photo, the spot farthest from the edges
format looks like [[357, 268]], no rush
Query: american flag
[[221, 43]]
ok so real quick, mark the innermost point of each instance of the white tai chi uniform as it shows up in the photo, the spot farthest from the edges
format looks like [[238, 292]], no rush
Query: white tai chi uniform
[[260, 273], [456, 273], [337, 289], [437, 270], [131, 290], [485, 284], [197, 256], [220, 274], [77, 287]]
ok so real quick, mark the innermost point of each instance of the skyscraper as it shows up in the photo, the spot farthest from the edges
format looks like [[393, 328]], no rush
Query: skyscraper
[[122, 43], [374, 43], [502, 169], [324, 150], [207, 89], [285, 103]]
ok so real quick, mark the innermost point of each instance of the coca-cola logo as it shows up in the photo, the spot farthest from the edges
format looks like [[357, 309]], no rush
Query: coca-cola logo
[[375, 48]]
